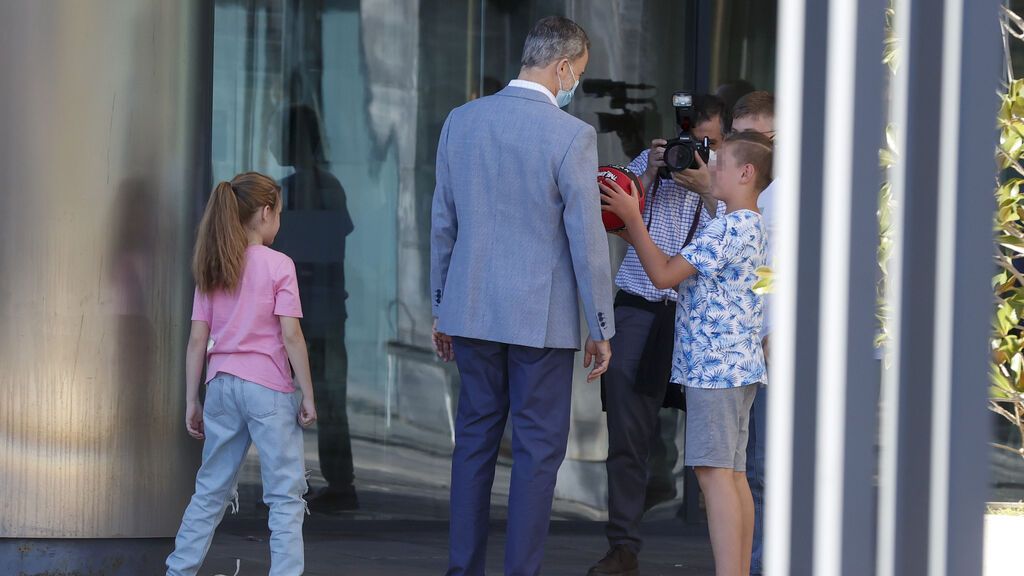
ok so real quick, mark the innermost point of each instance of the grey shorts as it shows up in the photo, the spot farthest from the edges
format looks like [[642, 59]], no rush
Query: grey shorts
[[717, 426]]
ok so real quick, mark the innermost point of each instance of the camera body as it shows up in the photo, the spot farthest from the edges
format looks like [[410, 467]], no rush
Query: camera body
[[681, 152]]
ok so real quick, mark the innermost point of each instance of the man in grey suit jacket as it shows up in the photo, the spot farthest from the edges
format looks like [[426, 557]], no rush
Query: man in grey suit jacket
[[516, 237]]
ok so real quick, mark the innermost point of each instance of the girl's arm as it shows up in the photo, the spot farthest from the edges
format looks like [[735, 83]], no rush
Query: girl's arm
[[663, 270], [295, 344], [195, 358]]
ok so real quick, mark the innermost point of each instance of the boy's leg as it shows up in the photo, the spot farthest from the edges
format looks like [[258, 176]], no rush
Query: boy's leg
[[479, 426], [224, 449], [725, 519], [273, 423], [716, 440], [747, 514], [740, 467]]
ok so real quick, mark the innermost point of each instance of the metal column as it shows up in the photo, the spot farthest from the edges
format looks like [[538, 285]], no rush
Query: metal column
[[848, 376], [102, 108], [932, 468], [792, 403]]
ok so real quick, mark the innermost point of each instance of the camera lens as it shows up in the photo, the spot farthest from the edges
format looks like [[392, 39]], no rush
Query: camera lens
[[678, 156]]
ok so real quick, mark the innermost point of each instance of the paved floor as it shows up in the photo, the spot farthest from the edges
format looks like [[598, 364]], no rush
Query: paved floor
[[340, 546]]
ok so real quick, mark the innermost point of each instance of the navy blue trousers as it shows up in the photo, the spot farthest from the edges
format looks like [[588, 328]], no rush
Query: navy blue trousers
[[757, 443], [534, 385]]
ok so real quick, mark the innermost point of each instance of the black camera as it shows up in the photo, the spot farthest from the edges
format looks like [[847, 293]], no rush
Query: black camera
[[681, 152]]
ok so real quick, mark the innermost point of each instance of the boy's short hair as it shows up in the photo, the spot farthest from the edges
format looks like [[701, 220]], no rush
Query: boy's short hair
[[758, 103], [755, 149]]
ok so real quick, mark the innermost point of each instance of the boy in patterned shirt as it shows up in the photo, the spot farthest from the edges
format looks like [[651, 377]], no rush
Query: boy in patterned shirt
[[718, 355]]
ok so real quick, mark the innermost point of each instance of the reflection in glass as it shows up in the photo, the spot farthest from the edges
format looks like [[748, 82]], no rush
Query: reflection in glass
[[313, 234]]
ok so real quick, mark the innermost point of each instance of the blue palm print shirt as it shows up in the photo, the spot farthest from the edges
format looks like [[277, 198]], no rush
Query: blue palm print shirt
[[718, 324]]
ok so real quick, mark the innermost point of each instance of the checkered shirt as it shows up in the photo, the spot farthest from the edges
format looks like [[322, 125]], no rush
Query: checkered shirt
[[673, 207]]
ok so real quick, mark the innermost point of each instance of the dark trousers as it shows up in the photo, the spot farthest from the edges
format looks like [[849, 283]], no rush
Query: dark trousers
[[632, 420], [756, 444], [330, 392], [535, 386]]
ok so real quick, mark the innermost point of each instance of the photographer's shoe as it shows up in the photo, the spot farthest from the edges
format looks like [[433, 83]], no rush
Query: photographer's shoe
[[619, 561]]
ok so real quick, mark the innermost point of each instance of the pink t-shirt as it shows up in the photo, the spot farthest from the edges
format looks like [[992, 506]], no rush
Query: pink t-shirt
[[244, 326]]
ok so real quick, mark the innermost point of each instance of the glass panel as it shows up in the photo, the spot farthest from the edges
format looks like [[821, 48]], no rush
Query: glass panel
[[343, 101], [293, 98], [743, 43]]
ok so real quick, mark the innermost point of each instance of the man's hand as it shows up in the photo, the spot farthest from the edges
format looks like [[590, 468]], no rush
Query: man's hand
[[443, 344], [619, 202], [599, 351], [696, 179], [655, 158]]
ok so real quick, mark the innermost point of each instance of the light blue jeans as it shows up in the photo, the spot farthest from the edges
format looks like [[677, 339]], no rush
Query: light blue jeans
[[236, 414]]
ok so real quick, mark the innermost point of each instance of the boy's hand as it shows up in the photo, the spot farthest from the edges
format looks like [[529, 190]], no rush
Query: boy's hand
[[307, 413], [601, 353], [619, 202], [194, 420]]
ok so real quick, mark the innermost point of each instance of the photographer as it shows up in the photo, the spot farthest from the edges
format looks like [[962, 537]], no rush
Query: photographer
[[708, 122], [635, 385]]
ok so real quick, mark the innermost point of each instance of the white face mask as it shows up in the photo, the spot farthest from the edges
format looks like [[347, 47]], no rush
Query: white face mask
[[565, 96]]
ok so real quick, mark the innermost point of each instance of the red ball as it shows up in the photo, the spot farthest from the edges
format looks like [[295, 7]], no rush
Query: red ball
[[624, 178]]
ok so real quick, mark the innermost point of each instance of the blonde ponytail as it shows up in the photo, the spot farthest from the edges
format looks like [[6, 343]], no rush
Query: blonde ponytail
[[221, 242]]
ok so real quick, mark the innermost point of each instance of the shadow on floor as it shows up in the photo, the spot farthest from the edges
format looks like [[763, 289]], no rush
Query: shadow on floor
[[340, 546]]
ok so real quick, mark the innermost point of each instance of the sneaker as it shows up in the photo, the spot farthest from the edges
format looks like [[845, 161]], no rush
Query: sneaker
[[328, 500], [619, 561]]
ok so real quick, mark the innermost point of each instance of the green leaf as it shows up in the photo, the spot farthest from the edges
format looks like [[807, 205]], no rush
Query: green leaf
[[766, 281]]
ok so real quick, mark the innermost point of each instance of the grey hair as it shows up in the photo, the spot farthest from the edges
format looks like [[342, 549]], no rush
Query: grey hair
[[553, 38]]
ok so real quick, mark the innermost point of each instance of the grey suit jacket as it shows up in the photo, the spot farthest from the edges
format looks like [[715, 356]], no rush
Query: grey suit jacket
[[516, 232]]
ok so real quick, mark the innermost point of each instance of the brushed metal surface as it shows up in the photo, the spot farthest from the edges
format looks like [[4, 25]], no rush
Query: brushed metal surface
[[98, 116]]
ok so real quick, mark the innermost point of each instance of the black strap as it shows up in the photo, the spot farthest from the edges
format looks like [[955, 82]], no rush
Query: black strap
[[696, 213], [650, 201], [696, 221]]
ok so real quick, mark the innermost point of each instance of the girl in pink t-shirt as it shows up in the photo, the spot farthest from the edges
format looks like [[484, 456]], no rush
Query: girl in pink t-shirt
[[245, 327]]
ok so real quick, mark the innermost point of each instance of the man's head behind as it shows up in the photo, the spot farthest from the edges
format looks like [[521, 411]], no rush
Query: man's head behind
[[708, 119], [556, 53], [730, 93], [755, 112], [744, 166]]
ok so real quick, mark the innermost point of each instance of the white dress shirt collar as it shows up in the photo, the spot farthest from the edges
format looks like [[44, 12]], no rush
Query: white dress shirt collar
[[517, 83]]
